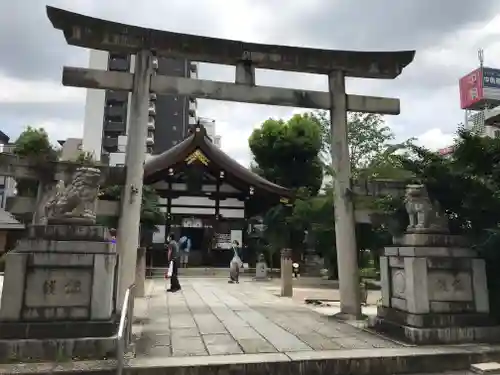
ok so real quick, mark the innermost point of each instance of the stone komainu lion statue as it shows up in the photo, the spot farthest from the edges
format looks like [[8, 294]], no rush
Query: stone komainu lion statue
[[76, 200], [423, 214]]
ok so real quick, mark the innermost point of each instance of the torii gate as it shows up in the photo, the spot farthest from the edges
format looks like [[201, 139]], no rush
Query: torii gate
[[88, 32]]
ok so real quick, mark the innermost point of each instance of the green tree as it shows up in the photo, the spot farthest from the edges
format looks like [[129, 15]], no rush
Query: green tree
[[287, 152], [367, 134], [34, 145], [151, 215], [467, 187]]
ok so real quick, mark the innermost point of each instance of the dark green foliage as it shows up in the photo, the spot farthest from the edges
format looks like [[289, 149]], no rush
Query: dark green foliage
[[34, 144], [151, 215], [280, 150], [287, 152], [467, 186]]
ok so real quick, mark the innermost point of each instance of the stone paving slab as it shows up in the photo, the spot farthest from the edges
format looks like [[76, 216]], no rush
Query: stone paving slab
[[211, 317]]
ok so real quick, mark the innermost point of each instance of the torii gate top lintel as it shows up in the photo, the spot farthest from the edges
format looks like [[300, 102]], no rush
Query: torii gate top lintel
[[84, 31]]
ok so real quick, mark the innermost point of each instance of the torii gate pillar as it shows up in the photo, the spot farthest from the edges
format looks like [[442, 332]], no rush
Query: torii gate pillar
[[130, 213], [345, 231]]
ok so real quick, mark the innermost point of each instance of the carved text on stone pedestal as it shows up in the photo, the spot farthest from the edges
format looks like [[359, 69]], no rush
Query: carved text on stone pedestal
[[49, 287], [73, 287], [58, 288], [448, 286]]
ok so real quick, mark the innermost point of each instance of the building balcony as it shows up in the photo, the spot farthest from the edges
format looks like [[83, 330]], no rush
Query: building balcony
[[115, 112], [115, 127], [116, 97], [116, 159], [152, 109], [119, 64], [122, 143], [217, 141], [151, 123], [110, 144]]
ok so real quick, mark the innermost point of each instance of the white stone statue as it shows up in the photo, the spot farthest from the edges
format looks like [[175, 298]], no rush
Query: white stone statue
[[424, 215], [76, 201]]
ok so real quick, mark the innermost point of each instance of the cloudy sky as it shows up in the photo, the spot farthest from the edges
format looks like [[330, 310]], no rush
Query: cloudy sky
[[445, 33]]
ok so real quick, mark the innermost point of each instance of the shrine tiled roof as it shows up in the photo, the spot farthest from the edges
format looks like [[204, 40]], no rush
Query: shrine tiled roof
[[199, 141]]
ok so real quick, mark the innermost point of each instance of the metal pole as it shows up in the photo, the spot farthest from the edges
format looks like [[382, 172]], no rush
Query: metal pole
[[347, 260], [128, 226]]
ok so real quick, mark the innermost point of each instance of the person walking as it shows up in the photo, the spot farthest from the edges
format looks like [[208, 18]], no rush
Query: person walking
[[235, 264], [184, 247], [173, 257]]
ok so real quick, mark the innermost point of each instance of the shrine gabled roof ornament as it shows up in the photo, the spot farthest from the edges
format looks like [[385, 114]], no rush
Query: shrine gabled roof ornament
[[198, 148]]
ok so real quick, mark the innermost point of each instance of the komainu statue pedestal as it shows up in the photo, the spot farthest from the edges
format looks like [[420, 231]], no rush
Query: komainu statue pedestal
[[434, 287], [58, 293]]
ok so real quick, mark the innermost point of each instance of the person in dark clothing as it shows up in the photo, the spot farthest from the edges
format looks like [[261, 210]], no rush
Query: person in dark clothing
[[173, 255]]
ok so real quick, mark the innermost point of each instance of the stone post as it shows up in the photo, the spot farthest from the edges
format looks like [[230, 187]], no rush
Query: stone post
[[261, 268], [140, 272], [128, 226], [286, 273], [350, 305]]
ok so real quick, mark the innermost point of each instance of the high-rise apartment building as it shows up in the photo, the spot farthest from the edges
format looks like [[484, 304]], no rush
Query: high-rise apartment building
[[209, 125], [7, 183], [107, 111]]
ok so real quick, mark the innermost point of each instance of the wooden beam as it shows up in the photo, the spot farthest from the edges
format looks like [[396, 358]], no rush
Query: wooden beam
[[203, 89]]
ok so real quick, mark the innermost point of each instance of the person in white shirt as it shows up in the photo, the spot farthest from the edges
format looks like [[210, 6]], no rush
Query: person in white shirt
[[184, 248]]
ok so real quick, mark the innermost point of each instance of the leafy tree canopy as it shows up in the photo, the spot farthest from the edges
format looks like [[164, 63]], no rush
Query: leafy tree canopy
[[34, 143], [287, 152], [370, 145], [151, 215], [467, 187]]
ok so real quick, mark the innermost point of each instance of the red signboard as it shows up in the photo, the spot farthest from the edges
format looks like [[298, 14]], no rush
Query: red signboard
[[471, 89], [446, 151]]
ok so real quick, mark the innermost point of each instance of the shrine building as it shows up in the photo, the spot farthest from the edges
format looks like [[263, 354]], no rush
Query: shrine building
[[208, 196]]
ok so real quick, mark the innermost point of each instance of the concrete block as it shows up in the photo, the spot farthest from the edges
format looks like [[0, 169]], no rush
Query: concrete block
[[416, 286], [489, 368], [261, 271], [140, 272], [433, 240], [65, 288], [480, 286], [13, 286], [103, 286], [58, 246], [449, 285], [436, 251], [385, 281], [286, 273], [95, 233], [396, 262], [391, 251]]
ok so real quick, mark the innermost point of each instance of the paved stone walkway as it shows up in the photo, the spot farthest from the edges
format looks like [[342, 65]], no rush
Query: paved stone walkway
[[212, 317]]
